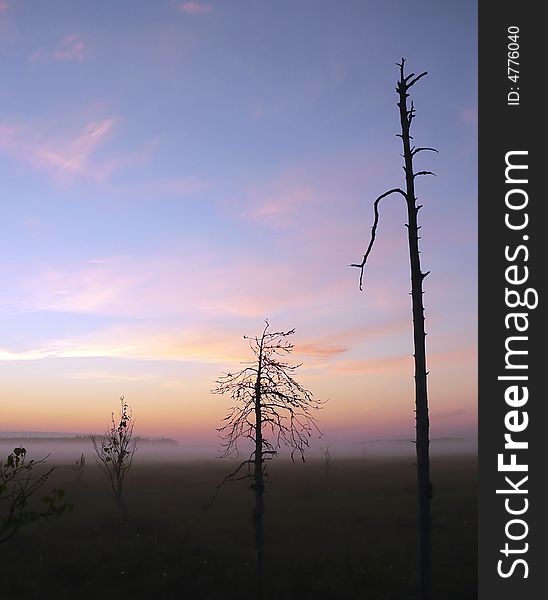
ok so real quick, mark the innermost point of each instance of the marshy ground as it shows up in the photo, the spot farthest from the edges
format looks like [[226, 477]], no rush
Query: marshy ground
[[348, 536]]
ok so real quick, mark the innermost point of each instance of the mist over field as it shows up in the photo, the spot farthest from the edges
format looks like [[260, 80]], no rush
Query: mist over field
[[346, 533], [66, 448]]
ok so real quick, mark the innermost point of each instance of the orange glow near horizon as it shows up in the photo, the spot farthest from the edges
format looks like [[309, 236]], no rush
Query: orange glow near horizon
[[153, 216], [378, 396]]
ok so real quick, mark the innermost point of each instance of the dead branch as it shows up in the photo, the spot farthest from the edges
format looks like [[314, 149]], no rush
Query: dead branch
[[361, 265]]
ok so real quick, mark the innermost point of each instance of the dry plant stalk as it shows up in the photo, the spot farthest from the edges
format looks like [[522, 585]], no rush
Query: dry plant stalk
[[114, 452]]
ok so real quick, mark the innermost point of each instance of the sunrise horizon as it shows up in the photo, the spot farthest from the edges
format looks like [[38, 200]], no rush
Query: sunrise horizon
[[174, 175]]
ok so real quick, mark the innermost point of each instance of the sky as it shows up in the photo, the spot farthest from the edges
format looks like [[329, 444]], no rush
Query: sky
[[174, 173]]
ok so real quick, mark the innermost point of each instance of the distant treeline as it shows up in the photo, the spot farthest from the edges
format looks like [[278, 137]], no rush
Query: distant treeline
[[80, 438]]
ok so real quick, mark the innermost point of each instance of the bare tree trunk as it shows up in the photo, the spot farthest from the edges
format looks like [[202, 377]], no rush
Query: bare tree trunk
[[122, 504], [424, 551], [259, 538], [258, 484]]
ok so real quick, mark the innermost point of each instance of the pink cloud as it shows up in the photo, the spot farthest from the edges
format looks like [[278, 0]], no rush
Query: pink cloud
[[151, 285], [335, 343], [197, 342], [3, 6], [95, 287], [73, 155], [317, 351], [194, 8], [374, 365], [64, 156], [36, 56], [308, 196], [405, 363], [280, 208], [189, 344], [71, 48], [280, 202]]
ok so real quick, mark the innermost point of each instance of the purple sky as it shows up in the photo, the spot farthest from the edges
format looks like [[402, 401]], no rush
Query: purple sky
[[173, 173]]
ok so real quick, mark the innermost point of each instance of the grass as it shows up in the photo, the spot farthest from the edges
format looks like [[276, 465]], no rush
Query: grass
[[352, 537]]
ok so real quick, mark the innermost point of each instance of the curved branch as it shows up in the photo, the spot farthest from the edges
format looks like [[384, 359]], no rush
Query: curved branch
[[417, 150], [423, 173], [374, 230]]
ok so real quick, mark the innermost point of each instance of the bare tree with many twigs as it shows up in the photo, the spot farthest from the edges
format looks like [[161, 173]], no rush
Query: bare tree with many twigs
[[270, 410]]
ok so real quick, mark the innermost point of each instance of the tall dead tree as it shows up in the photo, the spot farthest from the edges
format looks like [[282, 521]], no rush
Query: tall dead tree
[[270, 410], [424, 486]]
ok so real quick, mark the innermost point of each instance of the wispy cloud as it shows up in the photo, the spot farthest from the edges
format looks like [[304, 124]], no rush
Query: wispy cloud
[[73, 155], [139, 343], [404, 363], [148, 286], [280, 207], [64, 156], [204, 342], [3, 6], [105, 376], [71, 48], [374, 365], [336, 343], [314, 350], [95, 287], [194, 8]]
